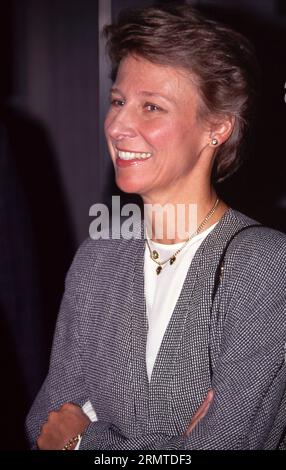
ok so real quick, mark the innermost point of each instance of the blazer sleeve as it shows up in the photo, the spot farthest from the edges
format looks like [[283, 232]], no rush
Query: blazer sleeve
[[65, 381], [249, 378]]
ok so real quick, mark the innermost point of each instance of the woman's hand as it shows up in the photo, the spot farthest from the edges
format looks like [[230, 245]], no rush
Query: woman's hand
[[61, 426], [201, 412]]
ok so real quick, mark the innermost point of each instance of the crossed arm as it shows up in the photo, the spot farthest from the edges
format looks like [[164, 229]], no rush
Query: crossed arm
[[70, 420], [249, 384]]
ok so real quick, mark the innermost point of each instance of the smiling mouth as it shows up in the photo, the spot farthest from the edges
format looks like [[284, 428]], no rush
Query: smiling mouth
[[132, 155]]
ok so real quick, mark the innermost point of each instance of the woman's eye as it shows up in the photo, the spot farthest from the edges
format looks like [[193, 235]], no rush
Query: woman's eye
[[152, 107], [116, 103]]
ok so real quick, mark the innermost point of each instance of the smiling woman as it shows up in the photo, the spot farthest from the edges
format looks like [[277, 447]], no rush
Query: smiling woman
[[153, 133], [172, 342]]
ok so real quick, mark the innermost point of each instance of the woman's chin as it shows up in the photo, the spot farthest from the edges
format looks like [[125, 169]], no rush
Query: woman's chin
[[129, 185]]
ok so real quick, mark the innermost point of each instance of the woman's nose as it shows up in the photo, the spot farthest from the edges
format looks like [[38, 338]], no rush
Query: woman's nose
[[121, 126]]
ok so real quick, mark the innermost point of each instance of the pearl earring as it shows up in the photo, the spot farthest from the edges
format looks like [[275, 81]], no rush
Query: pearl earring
[[214, 141]]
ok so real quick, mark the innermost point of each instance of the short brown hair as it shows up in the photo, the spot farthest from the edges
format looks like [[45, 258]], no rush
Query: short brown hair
[[222, 60]]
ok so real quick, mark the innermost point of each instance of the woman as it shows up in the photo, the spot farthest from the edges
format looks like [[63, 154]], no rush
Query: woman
[[150, 330]]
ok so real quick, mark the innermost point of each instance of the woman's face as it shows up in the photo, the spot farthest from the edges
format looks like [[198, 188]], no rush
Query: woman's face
[[152, 131]]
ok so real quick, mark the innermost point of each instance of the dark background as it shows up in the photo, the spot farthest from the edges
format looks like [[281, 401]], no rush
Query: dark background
[[54, 164]]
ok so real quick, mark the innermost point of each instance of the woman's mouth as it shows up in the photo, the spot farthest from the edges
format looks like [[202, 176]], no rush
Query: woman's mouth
[[124, 155], [127, 158]]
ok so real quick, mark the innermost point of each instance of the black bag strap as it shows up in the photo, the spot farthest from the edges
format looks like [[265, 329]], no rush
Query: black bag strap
[[220, 267]]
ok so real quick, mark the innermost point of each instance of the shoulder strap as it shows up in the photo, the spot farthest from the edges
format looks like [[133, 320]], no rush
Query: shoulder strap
[[220, 267]]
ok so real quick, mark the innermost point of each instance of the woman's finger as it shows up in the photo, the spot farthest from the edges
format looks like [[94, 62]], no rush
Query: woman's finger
[[201, 411]]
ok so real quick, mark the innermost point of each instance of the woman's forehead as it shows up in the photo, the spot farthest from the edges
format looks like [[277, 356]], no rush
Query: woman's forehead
[[149, 78]]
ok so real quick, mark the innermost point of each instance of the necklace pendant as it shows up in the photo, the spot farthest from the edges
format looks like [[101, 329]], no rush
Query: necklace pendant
[[155, 254], [158, 270], [173, 259]]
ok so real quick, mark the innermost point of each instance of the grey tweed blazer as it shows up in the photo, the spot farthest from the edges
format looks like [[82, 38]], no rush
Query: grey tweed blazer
[[234, 344]]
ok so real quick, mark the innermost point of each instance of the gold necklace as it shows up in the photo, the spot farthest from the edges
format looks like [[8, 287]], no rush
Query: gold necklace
[[154, 255]]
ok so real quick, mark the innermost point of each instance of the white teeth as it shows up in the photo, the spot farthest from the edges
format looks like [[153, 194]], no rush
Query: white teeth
[[133, 155]]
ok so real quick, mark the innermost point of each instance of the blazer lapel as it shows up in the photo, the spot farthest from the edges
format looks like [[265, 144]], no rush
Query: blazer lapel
[[139, 330], [160, 401]]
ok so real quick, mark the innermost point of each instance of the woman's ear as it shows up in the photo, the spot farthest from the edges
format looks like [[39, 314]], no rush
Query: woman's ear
[[221, 130]]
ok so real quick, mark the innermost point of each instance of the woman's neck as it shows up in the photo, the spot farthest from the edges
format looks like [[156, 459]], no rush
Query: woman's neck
[[170, 223]]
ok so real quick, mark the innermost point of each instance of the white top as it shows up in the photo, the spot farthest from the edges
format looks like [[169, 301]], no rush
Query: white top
[[162, 291]]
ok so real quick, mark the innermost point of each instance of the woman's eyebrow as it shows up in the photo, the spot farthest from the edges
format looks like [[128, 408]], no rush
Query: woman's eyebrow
[[145, 93], [158, 95], [115, 90]]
